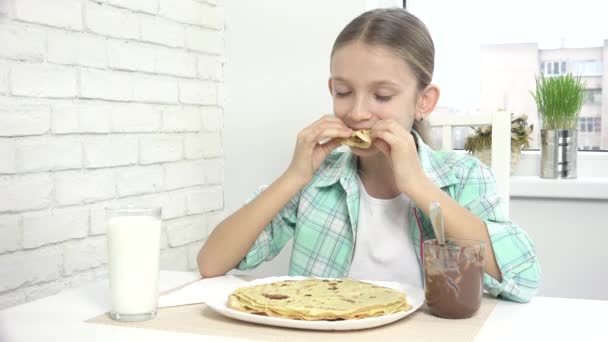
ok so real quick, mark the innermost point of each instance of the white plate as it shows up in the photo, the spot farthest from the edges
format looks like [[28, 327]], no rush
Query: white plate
[[415, 297]]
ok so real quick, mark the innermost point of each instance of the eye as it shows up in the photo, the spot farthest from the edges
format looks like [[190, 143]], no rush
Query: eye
[[343, 94], [383, 98]]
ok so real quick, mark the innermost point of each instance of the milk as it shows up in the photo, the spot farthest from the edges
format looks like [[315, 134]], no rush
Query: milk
[[134, 247]]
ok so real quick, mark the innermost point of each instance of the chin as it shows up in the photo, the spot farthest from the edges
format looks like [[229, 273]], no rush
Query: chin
[[364, 152]]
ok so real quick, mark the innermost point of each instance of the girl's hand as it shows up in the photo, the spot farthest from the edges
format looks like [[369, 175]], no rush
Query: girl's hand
[[399, 147], [310, 153]]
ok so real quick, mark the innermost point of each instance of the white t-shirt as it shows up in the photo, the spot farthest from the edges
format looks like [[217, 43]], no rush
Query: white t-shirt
[[383, 247]]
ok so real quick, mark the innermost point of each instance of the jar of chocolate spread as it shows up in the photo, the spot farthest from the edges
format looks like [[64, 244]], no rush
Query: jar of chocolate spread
[[453, 277]]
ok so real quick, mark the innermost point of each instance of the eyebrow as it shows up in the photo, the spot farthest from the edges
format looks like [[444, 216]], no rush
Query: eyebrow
[[375, 83]]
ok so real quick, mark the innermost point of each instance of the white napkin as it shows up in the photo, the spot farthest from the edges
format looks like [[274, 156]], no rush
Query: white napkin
[[200, 291]]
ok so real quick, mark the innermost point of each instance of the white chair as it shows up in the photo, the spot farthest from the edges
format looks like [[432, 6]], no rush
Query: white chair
[[501, 142]]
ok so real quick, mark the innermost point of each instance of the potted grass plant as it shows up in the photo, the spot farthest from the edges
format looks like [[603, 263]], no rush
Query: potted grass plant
[[559, 100], [480, 142]]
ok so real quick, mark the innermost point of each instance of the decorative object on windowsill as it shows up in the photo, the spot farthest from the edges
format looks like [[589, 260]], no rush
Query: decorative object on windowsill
[[559, 100], [480, 143]]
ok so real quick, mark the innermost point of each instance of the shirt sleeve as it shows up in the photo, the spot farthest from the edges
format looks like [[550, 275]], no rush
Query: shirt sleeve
[[514, 251], [274, 236]]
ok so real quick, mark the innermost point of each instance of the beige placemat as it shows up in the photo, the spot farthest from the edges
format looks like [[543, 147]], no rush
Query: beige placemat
[[419, 326]]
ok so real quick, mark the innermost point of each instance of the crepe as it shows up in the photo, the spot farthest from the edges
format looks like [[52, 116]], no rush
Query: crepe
[[360, 139], [314, 299]]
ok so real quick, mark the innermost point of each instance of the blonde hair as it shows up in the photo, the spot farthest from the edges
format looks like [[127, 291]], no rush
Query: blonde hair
[[403, 33]]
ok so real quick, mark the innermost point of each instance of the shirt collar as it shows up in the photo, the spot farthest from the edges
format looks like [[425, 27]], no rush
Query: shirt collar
[[344, 169]]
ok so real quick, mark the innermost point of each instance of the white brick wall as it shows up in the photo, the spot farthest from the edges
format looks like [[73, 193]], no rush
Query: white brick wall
[[76, 187], [60, 13], [43, 80], [96, 151], [148, 6], [182, 119], [41, 228], [176, 62], [16, 120], [210, 68], [3, 78], [139, 180], [156, 149], [7, 151], [111, 21], [70, 48], [30, 267], [25, 192], [129, 55], [102, 84], [22, 43], [84, 254], [31, 153], [133, 118], [155, 89], [102, 103], [161, 31], [184, 174], [204, 40], [10, 235], [198, 92], [184, 230]]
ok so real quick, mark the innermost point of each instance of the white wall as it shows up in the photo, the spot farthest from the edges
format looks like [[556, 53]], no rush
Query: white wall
[[570, 238], [104, 102]]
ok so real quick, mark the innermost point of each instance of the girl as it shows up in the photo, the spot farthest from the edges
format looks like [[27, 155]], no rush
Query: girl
[[364, 212]]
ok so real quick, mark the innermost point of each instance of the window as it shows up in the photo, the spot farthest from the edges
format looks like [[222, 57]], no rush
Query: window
[[587, 68], [553, 68], [593, 96], [590, 125], [493, 61]]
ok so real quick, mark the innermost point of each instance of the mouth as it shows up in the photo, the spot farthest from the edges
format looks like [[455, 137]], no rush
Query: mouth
[[359, 139]]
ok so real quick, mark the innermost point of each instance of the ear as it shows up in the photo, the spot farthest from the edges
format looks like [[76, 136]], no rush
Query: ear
[[330, 84], [427, 100]]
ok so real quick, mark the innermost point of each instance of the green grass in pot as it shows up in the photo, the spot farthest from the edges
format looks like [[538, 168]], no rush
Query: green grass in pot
[[559, 100]]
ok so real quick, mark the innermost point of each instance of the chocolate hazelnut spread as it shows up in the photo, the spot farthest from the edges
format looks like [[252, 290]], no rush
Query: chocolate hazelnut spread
[[453, 277]]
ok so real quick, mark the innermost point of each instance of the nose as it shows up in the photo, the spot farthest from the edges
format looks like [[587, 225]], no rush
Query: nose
[[360, 111]]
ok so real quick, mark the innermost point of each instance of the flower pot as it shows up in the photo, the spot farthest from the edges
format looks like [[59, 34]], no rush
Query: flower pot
[[558, 153], [485, 156]]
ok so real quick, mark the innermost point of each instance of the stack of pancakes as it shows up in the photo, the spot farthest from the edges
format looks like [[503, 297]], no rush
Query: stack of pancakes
[[314, 299]]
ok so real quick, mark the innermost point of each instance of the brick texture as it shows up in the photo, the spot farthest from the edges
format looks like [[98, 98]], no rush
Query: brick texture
[[105, 103]]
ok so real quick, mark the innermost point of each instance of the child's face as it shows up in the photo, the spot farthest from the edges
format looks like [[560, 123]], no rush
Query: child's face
[[368, 84]]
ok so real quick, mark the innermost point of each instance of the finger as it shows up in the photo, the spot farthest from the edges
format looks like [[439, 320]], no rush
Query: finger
[[312, 137], [330, 130], [332, 119], [390, 126], [331, 145], [390, 138], [327, 117], [383, 147]]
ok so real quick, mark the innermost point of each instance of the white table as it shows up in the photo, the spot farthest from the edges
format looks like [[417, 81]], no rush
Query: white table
[[61, 318]]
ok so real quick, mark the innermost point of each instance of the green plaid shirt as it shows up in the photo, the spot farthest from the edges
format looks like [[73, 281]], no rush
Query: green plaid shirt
[[322, 219]]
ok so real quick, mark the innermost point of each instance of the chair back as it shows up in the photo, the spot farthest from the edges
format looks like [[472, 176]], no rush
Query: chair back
[[501, 143]]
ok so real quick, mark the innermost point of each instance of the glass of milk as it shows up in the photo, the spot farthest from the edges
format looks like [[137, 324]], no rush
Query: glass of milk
[[133, 256]]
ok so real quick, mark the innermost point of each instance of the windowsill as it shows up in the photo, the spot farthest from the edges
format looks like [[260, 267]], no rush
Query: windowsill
[[591, 182], [579, 188]]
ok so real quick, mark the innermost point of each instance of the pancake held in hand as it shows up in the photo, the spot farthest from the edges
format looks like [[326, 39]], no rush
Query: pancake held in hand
[[360, 139], [315, 299]]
